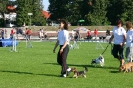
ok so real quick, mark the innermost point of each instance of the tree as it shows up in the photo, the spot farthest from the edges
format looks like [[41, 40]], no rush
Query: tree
[[65, 9], [30, 6], [38, 18], [74, 11], [92, 11], [3, 10], [126, 10], [23, 8], [97, 13]]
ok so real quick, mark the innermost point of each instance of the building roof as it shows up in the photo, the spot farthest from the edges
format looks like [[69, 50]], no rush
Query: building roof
[[46, 14], [10, 7]]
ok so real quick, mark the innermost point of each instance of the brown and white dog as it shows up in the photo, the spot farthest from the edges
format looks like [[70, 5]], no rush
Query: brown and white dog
[[78, 73], [126, 67]]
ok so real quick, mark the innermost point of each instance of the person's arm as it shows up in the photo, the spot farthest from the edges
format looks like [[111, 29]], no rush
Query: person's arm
[[57, 43], [122, 44]]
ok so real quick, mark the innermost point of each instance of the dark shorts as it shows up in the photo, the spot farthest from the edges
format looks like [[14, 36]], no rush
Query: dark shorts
[[118, 51]]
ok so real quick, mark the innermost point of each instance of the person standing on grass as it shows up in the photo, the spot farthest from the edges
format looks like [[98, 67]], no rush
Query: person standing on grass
[[129, 42], [89, 34], [96, 34], [2, 33], [41, 34], [12, 33], [29, 34], [119, 35], [107, 32], [45, 34], [63, 41], [5, 33]]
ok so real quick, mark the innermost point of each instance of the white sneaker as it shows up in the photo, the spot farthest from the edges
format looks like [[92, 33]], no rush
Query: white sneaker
[[64, 75]]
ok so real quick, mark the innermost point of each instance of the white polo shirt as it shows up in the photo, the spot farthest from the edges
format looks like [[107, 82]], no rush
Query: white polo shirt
[[63, 36], [129, 40], [118, 34]]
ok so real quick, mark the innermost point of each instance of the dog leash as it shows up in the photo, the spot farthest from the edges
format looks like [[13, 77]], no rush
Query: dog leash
[[105, 49], [111, 49]]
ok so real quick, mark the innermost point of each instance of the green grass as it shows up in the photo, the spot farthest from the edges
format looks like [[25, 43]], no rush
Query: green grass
[[37, 68]]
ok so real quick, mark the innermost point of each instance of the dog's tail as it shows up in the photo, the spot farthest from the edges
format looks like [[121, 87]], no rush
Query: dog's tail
[[86, 69]]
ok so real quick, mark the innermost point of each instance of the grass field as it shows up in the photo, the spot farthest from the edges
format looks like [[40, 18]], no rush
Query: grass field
[[37, 68]]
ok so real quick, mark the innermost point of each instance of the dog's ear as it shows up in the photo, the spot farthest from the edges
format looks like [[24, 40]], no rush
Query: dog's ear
[[73, 69]]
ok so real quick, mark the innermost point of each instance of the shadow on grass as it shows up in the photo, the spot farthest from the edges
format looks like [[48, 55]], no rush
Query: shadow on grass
[[48, 75], [114, 71], [52, 63], [18, 72], [90, 66]]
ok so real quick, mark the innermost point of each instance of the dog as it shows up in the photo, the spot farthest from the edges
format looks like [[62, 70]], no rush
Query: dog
[[126, 67], [99, 60], [78, 73]]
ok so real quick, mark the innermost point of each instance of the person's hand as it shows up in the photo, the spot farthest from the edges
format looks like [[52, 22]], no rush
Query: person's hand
[[61, 50], [121, 44]]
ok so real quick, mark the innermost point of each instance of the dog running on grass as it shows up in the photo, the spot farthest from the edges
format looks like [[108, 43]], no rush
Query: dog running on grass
[[78, 73], [99, 60], [127, 67]]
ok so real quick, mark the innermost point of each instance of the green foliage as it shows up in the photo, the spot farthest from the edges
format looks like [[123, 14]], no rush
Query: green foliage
[[23, 8], [37, 17], [94, 12], [30, 6], [37, 68], [3, 10], [97, 15], [1, 22]]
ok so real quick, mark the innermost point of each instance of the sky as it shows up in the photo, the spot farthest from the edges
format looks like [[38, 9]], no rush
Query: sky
[[46, 4]]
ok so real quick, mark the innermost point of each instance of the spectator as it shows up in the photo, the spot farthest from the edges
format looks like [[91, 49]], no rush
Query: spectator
[[17, 32], [5, 33], [29, 34], [96, 33], [20, 31], [107, 32], [77, 35], [2, 33], [41, 34], [129, 42], [45, 34], [26, 31], [89, 34], [119, 36], [12, 33], [72, 34]]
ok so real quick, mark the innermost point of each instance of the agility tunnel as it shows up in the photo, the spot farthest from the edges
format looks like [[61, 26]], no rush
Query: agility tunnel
[[7, 42]]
